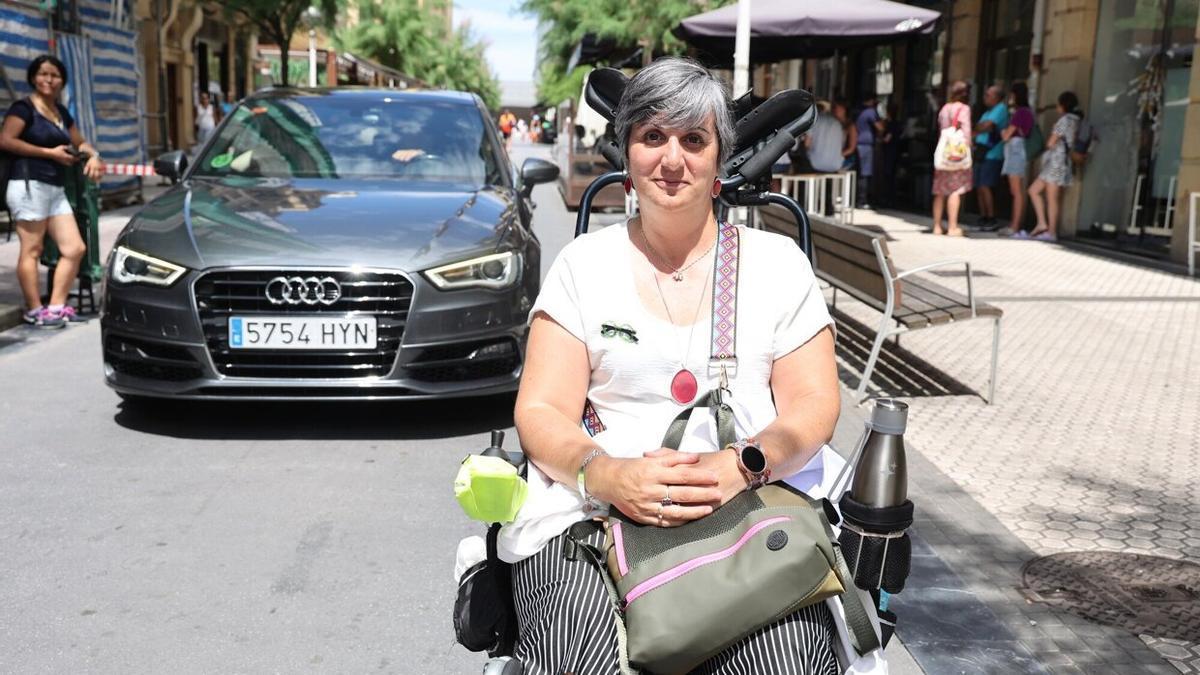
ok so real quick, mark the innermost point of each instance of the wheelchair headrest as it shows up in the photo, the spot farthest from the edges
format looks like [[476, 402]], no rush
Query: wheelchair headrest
[[604, 89]]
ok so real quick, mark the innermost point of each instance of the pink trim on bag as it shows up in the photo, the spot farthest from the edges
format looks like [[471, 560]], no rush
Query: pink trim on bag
[[619, 542], [683, 568]]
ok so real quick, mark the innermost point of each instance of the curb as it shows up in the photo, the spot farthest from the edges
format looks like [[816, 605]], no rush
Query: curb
[[10, 316]]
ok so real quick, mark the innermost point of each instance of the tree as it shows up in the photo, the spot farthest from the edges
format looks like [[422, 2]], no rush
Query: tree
[[628, 24], [278, 20], [402, 34]]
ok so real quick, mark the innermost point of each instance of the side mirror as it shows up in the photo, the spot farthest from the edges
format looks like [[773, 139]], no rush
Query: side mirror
[[536, 171], [171, 165]]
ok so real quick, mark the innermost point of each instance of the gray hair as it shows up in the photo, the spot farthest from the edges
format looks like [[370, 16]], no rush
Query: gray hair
[[676, 93]]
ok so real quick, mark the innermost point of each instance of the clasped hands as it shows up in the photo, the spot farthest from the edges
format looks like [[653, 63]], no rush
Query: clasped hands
[[666, 487], [65, 155]]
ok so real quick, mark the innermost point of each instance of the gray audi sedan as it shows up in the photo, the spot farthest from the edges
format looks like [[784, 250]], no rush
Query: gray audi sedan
[[328, 244]]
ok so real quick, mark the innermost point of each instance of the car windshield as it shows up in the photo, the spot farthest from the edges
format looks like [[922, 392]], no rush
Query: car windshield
[[354, 137]]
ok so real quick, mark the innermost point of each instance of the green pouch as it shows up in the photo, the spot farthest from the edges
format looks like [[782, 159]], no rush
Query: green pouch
[[489, 489]]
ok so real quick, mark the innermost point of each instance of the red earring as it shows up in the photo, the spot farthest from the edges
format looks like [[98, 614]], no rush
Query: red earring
[[628, 185], [716, 188]]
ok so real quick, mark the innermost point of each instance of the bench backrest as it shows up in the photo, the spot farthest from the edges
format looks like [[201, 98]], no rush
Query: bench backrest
[[841, 253], [846, 253]]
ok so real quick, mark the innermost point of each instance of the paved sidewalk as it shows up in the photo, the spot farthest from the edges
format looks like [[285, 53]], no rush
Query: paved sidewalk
[[1090, 447]]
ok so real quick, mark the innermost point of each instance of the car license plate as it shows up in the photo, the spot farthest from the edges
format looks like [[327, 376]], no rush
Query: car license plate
[[309, 332]]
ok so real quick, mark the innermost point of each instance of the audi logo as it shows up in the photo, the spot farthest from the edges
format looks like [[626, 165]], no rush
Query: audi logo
[[303, 291]]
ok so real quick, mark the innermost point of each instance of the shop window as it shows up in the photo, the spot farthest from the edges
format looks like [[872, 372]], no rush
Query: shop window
[[1005, 35], [1140, 90]]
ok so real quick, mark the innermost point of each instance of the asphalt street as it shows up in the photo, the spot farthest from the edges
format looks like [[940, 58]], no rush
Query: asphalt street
[[231, 538]]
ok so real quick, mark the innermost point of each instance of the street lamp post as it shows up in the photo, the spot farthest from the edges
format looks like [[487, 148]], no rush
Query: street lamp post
[[312, 18], [741, 50]]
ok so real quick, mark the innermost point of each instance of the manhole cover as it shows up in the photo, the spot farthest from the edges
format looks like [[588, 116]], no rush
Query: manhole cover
[[1140, 593]]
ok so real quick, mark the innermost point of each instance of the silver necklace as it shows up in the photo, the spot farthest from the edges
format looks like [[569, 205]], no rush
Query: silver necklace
[[684, 385], [676, 273]]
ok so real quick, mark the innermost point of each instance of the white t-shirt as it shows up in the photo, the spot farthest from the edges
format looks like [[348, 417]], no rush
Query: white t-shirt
[[779, 308], [828, 137], [205, 120]]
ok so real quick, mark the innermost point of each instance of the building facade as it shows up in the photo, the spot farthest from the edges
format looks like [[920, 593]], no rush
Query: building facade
[[1130, 62]]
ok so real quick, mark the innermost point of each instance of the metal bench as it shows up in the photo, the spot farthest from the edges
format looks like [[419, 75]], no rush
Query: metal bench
[[856, 261]]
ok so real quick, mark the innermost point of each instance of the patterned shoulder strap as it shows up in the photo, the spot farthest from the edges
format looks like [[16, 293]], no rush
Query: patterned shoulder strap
[[723, 352], [591, 419]]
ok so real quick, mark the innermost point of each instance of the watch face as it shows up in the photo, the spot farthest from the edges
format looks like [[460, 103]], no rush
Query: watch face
[[753, 459]]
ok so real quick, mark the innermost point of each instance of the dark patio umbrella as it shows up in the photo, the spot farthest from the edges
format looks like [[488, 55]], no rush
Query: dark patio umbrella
[[790, 29]]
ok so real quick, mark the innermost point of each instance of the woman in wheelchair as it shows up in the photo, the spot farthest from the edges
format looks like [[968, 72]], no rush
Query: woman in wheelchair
[[623, 337]]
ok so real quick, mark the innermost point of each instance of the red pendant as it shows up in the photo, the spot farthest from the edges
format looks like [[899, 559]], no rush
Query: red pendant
[[684, 387]]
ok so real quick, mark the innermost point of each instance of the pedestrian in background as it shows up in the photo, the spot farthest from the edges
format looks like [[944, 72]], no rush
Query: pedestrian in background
[[825, 141], [1056, 168], [206, 119], [990, 152], [868, 126], [227, 105], [1016, 163], [507, 122], [849, 134], [950, 186], [890, 145], [43, 137]]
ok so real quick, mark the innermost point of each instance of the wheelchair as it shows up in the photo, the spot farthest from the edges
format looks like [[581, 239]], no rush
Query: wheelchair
[[765, 130]]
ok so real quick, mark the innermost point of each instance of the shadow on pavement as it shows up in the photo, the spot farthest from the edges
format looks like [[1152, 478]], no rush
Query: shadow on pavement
[[898, 372], [319, 420]]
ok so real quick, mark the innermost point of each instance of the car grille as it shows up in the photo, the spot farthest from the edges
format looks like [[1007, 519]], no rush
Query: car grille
[[222, 294]]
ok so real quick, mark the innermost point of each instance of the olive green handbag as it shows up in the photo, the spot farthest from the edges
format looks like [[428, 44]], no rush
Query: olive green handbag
[[683, 594]]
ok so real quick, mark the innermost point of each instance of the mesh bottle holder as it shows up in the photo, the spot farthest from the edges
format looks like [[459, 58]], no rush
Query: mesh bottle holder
[[878, 550]]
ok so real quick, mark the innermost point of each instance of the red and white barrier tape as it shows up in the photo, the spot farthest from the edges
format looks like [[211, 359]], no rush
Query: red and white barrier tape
[[130, 169]]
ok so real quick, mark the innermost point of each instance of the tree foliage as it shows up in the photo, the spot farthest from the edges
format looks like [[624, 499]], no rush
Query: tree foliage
[[278, 20], [401, 34], [628, 23]]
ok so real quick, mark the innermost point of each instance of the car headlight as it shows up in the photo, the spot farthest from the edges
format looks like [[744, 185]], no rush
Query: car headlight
[[130, 267], [498, 270]]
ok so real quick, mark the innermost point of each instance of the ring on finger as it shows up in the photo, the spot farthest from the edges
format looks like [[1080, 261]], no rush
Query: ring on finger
[[666, 500]]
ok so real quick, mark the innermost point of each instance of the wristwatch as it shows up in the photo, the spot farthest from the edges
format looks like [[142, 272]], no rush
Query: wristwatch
[[589, 502], [752, 462]]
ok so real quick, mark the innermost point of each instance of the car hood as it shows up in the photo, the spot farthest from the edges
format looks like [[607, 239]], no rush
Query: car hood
[[210, 222]]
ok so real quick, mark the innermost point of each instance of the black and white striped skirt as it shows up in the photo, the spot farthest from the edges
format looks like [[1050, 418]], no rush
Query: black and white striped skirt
[[566, 626]]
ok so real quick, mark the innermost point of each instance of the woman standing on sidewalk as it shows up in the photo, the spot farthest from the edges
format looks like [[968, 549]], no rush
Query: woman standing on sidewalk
[[43, 137], [1056, 168], [1015, 163], [950, 186]]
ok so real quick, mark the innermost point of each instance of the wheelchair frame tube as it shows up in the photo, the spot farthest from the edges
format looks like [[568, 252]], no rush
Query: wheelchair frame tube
[[804, 228], [585, 202]]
